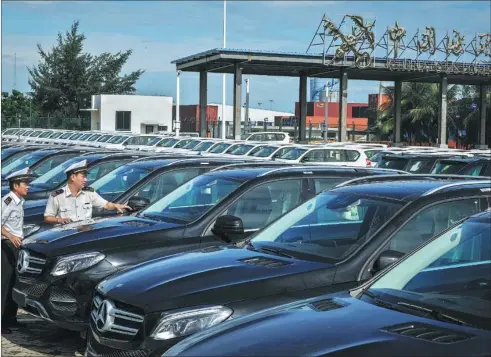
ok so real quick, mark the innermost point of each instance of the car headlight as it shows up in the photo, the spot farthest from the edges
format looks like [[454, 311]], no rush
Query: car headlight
[[183, 323], [29, 229], [76, 262]]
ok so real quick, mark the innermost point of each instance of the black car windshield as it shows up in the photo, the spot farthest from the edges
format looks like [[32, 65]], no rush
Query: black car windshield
[[168, 143], [190, 201], [55, 176], [293, 154], [219, 148], [203, 146], [120, 180], [22, 162], [393, 163], [330, 225], [451, 275]]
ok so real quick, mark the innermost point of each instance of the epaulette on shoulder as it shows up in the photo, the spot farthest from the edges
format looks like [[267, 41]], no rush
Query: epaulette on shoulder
[[57, 192], [7, 200], [90, 189]]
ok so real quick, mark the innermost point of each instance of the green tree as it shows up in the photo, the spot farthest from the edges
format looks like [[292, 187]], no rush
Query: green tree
[[419, 110], [66, 77], [15, 106]]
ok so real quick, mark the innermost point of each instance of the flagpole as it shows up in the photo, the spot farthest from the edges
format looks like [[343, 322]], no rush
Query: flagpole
[[223, 74]]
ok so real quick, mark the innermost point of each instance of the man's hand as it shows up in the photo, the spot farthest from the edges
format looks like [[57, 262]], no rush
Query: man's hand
[[16, 241], [120, 207], [63, 220]]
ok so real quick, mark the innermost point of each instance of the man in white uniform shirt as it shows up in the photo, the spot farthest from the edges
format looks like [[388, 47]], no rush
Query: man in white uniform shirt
[[12, 234], [75, 202]]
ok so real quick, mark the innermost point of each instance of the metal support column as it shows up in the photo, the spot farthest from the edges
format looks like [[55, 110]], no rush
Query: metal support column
[[302, 102], [177, 123], [237, 101], [203, 103], [396, 135], [482, 117], [442, 113], [343, 105], [246, 118]]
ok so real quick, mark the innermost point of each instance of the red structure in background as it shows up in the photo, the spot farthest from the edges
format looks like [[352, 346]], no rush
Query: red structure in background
[[189, 116], [356, 116]]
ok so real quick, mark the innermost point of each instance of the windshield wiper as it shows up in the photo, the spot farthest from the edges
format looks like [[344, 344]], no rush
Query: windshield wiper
[[276, 251], [434, 314]]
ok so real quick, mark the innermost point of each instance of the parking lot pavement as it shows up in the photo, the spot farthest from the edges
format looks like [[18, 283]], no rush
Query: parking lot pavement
[[41, 338]]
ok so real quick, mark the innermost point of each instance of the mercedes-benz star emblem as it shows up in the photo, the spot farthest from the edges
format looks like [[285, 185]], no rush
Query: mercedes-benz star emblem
[[105, 316], [22, 262]]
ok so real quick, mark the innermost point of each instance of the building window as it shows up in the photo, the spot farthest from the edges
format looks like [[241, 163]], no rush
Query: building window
[[359, 112], [162, 128], [123, 121]]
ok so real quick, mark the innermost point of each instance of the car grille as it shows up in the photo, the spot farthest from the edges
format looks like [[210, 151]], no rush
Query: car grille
[[27, 263], [114, 322], [63, 301], [35, 290]]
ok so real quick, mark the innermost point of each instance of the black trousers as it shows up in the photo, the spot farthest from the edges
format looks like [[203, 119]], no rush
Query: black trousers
[[9, 260]]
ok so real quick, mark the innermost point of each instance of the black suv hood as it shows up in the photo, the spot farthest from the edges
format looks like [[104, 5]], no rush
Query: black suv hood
[[99, 234], [215, 275], [331, 326]]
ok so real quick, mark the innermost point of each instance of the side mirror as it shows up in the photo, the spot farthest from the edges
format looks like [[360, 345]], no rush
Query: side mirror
[[385, 259], [226, 226], [138, 203]]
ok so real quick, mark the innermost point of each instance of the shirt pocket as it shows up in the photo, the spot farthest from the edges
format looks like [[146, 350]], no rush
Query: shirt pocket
[[87, 209], [66, 212]]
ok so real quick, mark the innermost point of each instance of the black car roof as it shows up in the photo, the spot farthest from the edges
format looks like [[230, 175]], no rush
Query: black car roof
[[248, 173], [409, 190]]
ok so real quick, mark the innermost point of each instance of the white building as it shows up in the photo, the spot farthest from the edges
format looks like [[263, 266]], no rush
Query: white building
[[136, 113], [255, 114]]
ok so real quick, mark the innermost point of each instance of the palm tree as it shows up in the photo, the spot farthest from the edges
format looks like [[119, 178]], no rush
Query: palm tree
[[419, 110]]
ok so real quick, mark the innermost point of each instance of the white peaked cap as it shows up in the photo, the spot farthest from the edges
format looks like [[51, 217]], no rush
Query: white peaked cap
[[82, 165], [24, 173]]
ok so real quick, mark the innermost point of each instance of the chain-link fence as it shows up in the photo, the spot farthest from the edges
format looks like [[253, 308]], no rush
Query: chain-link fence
[[47, 122]]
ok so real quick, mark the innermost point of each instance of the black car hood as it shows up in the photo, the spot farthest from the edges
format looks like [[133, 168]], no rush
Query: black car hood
[[99, 234], [357, 328], [34, 207], [210, 276]]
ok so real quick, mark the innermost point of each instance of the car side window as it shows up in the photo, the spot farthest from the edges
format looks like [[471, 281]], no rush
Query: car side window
[[334, 155], [322, 184], [264, 203], [51, 163], [433, 220], [315, 156], [165, 183], [256, 137], [352, 155]]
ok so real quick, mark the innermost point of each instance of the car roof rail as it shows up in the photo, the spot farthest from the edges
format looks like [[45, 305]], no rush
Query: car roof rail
[[247, 164], [455, 184], [409, 176], [320, 167]]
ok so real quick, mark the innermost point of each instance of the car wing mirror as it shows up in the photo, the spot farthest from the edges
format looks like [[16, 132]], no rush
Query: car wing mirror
[[386, 259], [227, 226]]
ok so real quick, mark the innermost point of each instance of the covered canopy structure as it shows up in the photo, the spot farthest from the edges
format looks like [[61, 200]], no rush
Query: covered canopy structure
[[253, 62]]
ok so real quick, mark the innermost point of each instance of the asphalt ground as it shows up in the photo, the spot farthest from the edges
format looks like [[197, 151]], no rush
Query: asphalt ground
[[41, 338]]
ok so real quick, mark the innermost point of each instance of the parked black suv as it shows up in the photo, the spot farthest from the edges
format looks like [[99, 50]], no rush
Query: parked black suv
[[61, 267], [434, 302], [330, 243], [473, 166], [415, 163]]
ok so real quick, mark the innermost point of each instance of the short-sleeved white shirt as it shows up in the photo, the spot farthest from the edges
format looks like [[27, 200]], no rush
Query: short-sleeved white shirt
[[62, 204], [13, 214]]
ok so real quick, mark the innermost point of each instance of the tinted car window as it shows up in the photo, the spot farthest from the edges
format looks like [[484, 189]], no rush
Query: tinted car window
[[51, 163], [473, 170], [264, 203], [119, 180], [430, 222], [102, 169], [165, 183], [448, 168], [352, 155]]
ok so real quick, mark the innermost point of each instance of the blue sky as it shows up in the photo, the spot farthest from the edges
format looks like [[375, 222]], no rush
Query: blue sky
[[162, 31]]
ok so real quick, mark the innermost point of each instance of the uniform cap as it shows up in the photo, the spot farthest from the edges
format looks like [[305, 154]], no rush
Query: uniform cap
[[21, 175], [77, 167]]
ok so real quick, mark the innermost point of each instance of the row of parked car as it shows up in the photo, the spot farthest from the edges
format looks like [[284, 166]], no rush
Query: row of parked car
[[227, 255]]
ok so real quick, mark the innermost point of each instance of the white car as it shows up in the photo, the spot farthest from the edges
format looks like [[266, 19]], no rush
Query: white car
[[323, 155], [270, 136]]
